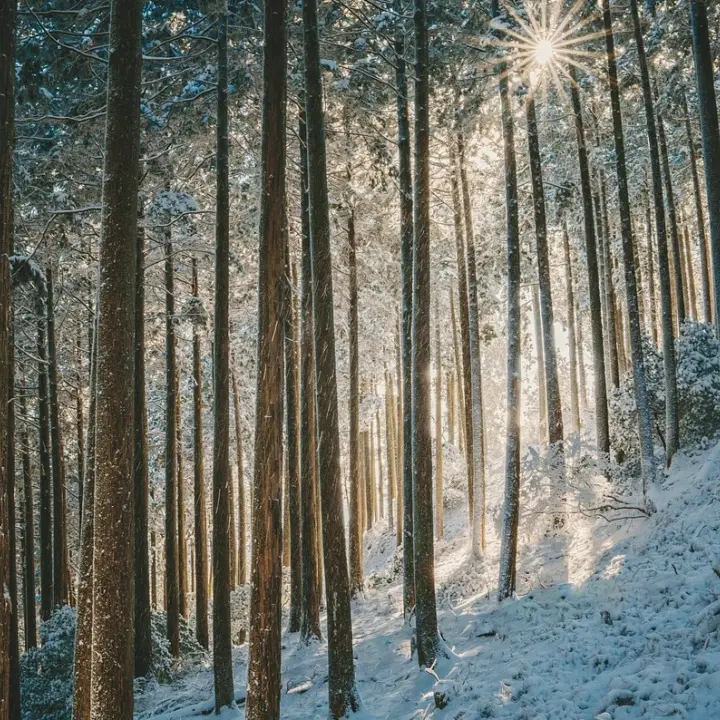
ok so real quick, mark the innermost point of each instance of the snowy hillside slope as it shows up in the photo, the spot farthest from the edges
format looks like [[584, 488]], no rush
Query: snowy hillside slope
[[617, 620]]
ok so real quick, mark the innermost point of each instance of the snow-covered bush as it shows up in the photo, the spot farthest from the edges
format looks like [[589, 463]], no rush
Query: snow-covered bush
[[698, 385], [240, 612], [163, 664], [46, 672]]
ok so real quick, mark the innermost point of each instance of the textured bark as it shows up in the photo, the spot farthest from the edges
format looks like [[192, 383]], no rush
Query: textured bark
[[464, 364], [293, 447], [477, 410], [602, 431], [355, 529], [406, 260], [199, 505], [608, 289], [222, 647], [79, 426], [647, 456], [342, 692], [241, 526], [181, 539], [311, 592], [439, 517], [458, 377], [540, 355], [671, 411], [378, 439], [511, 511], [700, 219], [82, 667], [399, 427], [652, 301], [689, 274], [60, 587], [390, 433], [113, 554], [143, 637], [172, 573], [46, 557], [704, 75], [554, 406], [28, 529], [572, 346], [7, 114], [428, 642], [264, 686]]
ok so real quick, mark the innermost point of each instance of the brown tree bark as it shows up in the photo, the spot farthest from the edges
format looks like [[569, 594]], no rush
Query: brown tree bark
[[28, 528], [46, 556], [572, 343]]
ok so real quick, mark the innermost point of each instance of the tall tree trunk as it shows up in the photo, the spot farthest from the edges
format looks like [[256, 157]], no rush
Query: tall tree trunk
[[293, 457], [478, 413], [46, 556], [652, 301], [465, 367], [671, 410], [378, 438], [28, 528], [222, 646], [60, 589], [390, 433], [439, 519], [199, 506], [311, 592], [705, 77], [172, 573], [241, 529], [511, 512], [355, 529], [458, 373], [608, 289], [181, 539], [428, 642], [343, 697], [540, 355], [602, 431], [82, 666], [675, 240], [264, 687], [143, 636], [700, 218], [689, 274], [572, 344], [554, 406], [113, 605], [79, 427], [647, 458], [406, 261], [7, 120]]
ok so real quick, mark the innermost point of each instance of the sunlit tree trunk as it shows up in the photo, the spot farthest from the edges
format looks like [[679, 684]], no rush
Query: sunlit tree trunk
[[240, 461], [439, 515], [113, 521], [181, 539], [46, 557], [652, 301], [572, 346], [390, 433]]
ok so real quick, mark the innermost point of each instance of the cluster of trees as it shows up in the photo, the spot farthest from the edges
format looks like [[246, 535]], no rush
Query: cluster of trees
[[109, 256]]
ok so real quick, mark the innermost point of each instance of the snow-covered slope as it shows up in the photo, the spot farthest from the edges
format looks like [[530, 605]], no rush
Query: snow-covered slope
[[615, 620]]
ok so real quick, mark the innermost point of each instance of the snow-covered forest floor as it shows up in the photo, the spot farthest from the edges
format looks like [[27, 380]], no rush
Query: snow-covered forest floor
[[613, 620]]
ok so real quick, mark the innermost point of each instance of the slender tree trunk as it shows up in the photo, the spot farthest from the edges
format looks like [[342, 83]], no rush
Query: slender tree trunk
[[373, 473], [222, 646], [647, 458], [428, 642], [46, 556], [355, 529], [7, 120], [60, 589], [702, 241], [540, 355], [572, 345], [675, 240], [293, 457], [458, 372], [554, 406], [241, 538], [264, 687], [439, 519], [143, 636], [200, 509], [181, 538], [602, 431], [406, 251], [464, 312], [378, 438], [478, 413], [671, 410], [172, 574], [342, 691], [390, 433], [79, 428], [28, 528], [82, 667], [399, 426], [311, 592], [689, 274], [113, 555], [705, 78], [511, 512], [651, 271]]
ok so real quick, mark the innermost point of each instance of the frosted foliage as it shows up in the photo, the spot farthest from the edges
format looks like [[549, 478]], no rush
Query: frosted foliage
[[698, 385]]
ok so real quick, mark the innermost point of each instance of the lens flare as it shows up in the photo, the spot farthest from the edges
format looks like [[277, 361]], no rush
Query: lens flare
[[544, 52]]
